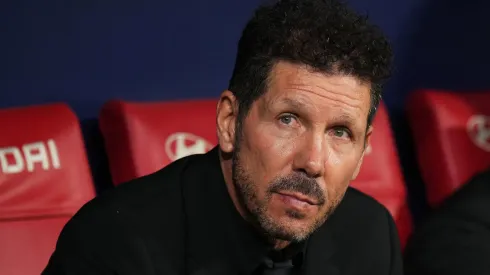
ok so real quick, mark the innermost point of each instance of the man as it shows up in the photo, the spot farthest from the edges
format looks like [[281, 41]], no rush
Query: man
[[292, 130], [456, 238]]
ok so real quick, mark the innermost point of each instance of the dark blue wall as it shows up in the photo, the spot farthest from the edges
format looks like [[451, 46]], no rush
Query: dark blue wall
[[86, 52]]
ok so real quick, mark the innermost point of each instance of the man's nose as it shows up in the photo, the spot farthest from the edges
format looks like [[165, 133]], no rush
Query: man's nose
[[310, 156]]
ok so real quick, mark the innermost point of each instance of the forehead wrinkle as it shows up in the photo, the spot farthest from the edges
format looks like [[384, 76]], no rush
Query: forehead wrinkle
[[348, 95], [330, 95], [303, 79], [296, 103], [294, 78]]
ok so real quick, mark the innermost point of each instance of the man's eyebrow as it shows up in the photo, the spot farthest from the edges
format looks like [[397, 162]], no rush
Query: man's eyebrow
[[293, 103], [301, 105], [345, 119], [349, 121]]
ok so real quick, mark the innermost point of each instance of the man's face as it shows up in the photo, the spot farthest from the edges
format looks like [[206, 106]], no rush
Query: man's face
[[298, 148]]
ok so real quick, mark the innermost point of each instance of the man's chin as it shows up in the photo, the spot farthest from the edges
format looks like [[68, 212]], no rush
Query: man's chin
[[288, 235], [287, 229]]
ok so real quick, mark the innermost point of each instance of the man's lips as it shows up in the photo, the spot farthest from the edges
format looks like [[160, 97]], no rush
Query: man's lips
[[299, 197]]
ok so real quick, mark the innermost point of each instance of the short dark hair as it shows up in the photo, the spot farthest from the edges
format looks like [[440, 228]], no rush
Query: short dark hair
[[325, 35]]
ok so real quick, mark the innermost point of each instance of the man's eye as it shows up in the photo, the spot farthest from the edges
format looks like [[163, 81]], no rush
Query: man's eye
[[341, 132], [287, 119]]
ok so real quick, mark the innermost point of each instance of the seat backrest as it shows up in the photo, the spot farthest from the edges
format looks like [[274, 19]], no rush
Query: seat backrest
[[381, 176], [44, 180], [141, 138], [452, 138]]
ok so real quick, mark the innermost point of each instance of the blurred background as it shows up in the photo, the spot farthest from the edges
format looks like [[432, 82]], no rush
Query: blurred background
[[84, 53]]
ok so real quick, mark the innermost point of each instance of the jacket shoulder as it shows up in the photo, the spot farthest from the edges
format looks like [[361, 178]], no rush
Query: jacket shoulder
[[364, 229], [359, 219]]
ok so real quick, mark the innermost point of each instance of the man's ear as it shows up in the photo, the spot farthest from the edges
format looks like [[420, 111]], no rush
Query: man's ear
[[226, 116], [366, 150]]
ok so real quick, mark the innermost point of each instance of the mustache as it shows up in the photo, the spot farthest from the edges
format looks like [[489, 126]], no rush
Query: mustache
[[300, 184]]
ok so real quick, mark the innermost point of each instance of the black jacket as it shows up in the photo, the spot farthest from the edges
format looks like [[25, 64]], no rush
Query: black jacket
[[456, 237], [180, 220]]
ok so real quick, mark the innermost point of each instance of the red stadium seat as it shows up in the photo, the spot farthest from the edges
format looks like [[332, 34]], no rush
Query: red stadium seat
[[381, 176], [141, 138], [44, 180], [452, 138]]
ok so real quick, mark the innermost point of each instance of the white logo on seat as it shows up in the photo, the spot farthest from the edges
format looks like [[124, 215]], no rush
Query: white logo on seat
[[179, 145], [14, 160], [479, 131]]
